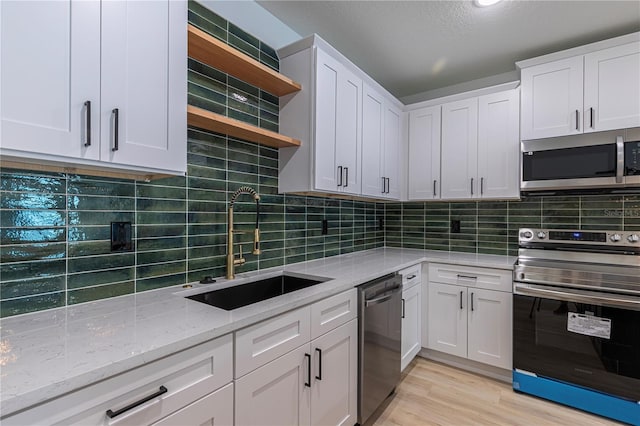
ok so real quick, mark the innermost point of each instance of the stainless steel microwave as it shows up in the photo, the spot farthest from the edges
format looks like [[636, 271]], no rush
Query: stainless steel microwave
[[607, 161]]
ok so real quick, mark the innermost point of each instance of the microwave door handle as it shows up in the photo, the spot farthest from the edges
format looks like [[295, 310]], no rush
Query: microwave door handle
[[620, 159]]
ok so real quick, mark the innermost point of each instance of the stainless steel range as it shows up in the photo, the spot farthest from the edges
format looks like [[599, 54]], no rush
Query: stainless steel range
[[576, 319]]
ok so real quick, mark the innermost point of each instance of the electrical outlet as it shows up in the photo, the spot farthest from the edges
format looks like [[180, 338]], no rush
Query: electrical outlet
[[455, 226], [121, 237], [325, 227]]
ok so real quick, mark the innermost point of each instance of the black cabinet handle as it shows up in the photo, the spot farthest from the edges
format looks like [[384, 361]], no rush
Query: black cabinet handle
[[471, 302], [388, 184], [87, 110], [346, 177], [111, 414], [481, 185], [384, 182], [402, 308], [340, 174], [591, 114], [577, 120], [410, 277], [308, 382], [460, 300], [319, 376], [434, 187], [471, 186], [116, 115]]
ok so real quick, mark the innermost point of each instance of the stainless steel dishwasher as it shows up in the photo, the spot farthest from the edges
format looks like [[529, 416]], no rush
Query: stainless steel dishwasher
[[379, 342]]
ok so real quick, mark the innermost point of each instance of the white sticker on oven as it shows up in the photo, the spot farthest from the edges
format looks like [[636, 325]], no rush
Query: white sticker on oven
[[589, 325]]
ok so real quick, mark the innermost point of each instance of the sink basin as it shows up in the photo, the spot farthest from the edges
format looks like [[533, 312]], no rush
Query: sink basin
[[256, 291]]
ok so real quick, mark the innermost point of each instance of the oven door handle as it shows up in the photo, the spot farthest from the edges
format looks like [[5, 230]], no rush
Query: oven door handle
[[570, 295]]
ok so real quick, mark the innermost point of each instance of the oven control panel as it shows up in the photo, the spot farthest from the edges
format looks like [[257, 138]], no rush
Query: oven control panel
[[560, 236]]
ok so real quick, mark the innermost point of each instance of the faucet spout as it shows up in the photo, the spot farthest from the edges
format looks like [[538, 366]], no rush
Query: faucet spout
[[232, 262]]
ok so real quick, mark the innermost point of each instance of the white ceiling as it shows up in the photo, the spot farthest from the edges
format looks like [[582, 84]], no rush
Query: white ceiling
[[412, 47]]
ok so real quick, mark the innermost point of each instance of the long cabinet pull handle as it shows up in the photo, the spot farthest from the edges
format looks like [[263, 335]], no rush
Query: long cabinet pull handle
[[346, 177], [384, 182], [434, 187], [471, 186], [471, 277], [481, 185], [410, 277], [577, 120], [471, 302], [591, 114], [308, 382], [340, 175], [388, 185], [403, 308], [111, 414], [461, 300], [319, 376], [116, 116], [87, 122]]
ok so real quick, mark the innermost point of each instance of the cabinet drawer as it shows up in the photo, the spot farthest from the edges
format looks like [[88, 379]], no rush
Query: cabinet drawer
[[214, 409], [491, 279], [411, 276], [263, 342], [187, 376], [332, 312]]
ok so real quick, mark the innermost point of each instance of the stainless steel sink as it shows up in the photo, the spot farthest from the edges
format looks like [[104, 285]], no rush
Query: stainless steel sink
[[256, 291]]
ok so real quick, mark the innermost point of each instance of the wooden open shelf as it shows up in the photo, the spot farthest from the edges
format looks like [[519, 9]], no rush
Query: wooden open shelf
[[208, 120], [213, 52]]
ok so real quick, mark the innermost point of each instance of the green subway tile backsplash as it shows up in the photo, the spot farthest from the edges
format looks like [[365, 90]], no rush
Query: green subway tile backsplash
[[491, 227]]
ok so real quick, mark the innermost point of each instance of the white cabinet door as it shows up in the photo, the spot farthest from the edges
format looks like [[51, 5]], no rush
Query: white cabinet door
[[411, 332], [424, 154], [489, 327], [373, 120], [348, 129], [612, 88], [447, 319], [143, 114], [391, 153], [50, 61], [334, 388], [212, 410], [499, 144], [337, 126], [552, 99], [460, 149], [277, 393]]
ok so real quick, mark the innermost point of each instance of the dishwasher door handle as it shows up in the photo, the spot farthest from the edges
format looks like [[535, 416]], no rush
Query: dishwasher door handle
[[377, 300]]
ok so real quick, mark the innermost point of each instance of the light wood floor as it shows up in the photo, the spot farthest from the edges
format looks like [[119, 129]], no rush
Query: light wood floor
[[431, 393]]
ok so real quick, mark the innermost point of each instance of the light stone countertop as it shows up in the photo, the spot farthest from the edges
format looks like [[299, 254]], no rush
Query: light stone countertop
[[46, 354]]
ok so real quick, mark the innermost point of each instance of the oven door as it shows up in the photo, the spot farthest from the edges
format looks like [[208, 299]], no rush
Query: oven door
[[578, 337]]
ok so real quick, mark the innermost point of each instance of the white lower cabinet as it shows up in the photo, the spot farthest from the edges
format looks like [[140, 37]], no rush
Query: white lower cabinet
[[313, 383], [468, 321], [411, 314]]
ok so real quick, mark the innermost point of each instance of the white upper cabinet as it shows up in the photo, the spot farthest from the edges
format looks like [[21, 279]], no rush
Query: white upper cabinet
[[143, 69], [50, 82], [70, 68], [460, 149], [552, 99], [498, 145], [594, 91], [424, 154], [612, 88], [381, 134], [326, 115]]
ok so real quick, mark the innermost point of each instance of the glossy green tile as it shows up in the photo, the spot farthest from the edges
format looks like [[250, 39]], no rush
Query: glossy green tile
[[31, 235], [207, 14], [32, 201], [159, 282], [79, 202], [32, 218], [85, 218], [23, 181], [28, 287], [208, 72], [94, 263], [31, 270], [207, 26], [33, 303], [93, 278], [30, 252], [84, 185], [99, 292]]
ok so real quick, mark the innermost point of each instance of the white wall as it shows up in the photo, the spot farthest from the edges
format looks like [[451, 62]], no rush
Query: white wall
[[254, 19]]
